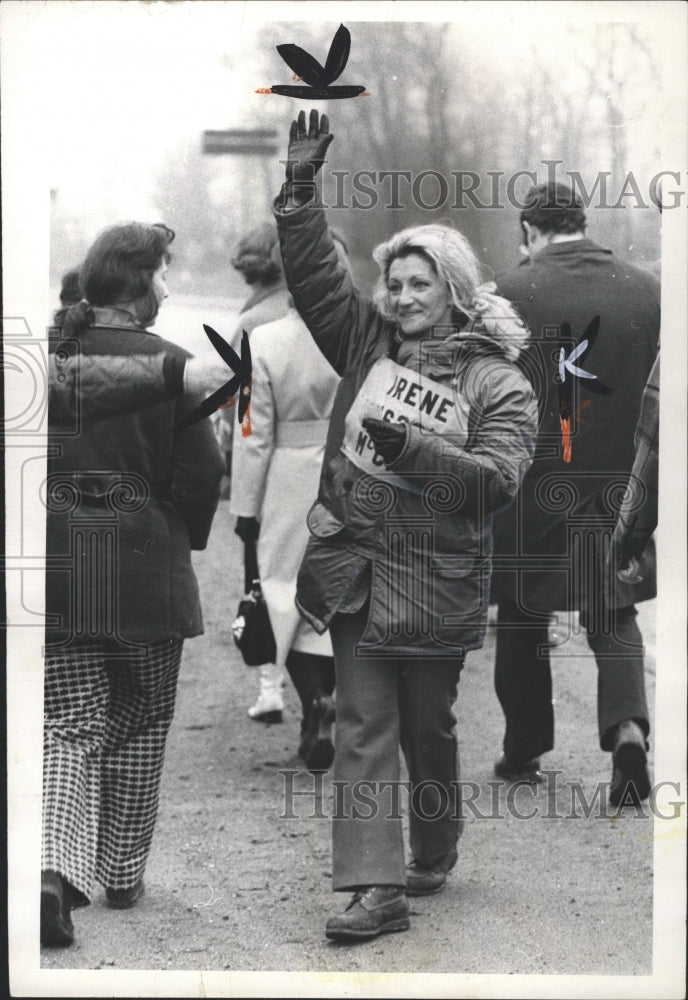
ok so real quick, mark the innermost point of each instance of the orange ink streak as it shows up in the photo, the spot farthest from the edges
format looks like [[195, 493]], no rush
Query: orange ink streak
[[228, 405], [584, 404], [576, 413], [366, 93], [246, 429], [566, 438], [263, 90]]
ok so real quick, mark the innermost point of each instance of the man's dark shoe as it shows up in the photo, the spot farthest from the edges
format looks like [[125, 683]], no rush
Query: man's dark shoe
[[423, 880], [124, 899], [630, 775], [378, 909], [56, 923], [519, 770], [317, 748]]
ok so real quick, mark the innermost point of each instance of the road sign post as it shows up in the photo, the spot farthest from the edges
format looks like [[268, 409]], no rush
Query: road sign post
[[240, 142]]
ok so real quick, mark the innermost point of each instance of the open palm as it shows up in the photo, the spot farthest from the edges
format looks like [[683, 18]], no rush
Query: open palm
[[307, 148]]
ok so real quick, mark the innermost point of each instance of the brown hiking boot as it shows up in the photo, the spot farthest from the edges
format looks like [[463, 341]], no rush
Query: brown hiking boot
[[374, 910]]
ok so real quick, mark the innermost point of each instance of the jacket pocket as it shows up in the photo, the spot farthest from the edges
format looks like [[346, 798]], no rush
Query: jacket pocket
[[462, 591], [322, 522]]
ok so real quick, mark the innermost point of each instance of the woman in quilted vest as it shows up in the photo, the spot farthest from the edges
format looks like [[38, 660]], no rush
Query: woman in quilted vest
[[127, 498]]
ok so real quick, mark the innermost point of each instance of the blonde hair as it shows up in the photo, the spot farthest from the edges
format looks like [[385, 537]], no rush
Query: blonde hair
[[453, 259]]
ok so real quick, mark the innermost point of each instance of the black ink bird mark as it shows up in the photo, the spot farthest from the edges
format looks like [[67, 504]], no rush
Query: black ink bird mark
[[318, 78], [309, 69], [568, 368], [243, 371]]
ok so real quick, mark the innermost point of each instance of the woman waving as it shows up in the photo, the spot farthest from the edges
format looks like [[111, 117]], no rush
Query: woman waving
[[432, 430]]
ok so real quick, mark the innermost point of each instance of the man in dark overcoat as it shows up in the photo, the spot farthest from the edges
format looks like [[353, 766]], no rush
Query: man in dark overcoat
[[594, 322]]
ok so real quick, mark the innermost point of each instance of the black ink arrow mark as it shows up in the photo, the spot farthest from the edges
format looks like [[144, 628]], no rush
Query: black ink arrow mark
[[243, 370]]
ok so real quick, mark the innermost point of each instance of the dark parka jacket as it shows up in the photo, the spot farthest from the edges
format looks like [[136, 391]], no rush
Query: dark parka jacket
[[127, 496], [420, 552], [558, 529]]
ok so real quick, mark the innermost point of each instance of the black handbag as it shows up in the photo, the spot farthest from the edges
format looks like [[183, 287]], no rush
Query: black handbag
[[251, 628]]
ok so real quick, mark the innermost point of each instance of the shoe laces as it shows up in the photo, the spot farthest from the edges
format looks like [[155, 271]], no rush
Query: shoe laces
[[360, 894], [363, 893]]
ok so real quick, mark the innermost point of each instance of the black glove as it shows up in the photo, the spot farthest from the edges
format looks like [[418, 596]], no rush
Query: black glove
[[306, 150], [247, 528], [387, 437]]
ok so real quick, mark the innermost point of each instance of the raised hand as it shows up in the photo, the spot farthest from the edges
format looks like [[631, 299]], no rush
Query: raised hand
[[306, 150]]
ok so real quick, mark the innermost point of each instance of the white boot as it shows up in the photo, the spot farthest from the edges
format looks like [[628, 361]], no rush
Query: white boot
[[270, 704]]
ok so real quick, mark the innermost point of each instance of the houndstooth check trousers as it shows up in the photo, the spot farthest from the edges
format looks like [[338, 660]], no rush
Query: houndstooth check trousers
[[105, 726]]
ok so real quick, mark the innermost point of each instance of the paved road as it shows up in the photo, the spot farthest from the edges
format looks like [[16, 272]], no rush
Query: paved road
[[232, 885]]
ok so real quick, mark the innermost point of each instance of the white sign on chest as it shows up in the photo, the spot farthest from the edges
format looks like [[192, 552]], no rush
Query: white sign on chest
[[393, 392]]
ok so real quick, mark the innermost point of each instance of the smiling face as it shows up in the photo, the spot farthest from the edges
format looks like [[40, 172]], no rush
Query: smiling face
[[419, 298]]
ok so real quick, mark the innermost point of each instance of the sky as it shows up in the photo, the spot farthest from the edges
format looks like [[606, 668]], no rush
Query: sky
[[130, 81], [121, 84], [106, 91]]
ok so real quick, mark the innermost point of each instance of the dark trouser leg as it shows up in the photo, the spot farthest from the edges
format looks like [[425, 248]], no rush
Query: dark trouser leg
[[142, 700], [312, 676], [427, 691], [367, 839], [621, 676], [523, 682], [327, 674]]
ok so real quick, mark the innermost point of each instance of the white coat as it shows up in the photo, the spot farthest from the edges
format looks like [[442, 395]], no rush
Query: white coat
[[276, 469]]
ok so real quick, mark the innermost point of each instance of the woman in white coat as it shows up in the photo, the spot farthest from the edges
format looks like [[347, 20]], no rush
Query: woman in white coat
[[258, 259], [275, 474]]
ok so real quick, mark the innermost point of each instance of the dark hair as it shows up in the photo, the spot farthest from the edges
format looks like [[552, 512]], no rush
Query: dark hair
[[258, 256], [119, 267], [554, 208], [70, 292]]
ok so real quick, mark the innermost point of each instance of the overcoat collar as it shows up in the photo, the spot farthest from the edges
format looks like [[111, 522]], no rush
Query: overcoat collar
[[567, 248]]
